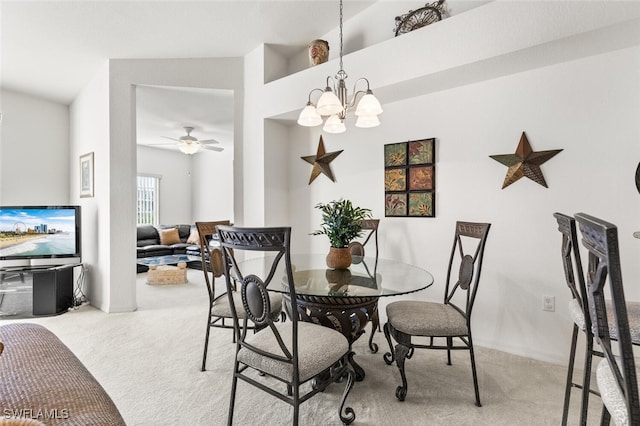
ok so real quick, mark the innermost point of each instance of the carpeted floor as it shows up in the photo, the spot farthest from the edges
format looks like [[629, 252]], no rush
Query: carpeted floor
[[149, 362]]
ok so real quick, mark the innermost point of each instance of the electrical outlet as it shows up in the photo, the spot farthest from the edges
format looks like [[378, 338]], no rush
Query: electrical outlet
[[549, 303]]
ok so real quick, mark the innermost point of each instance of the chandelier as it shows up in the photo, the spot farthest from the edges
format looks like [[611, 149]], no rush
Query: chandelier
[[335, 102]]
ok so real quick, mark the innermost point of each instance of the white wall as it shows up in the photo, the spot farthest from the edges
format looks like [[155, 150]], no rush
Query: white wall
[[90, 133], [483, 78], [34, 151], [124, 75], [175, 172], [212, 186], [598, 130]]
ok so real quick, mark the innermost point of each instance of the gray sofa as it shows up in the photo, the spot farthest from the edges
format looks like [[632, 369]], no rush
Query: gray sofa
[[150, 243], [43, 382]]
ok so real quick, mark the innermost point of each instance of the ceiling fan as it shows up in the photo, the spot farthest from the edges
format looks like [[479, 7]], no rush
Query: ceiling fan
[[190, 145]]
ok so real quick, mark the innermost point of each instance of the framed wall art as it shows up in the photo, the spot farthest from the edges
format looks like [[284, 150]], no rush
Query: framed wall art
[[86, 175], [410, 179]]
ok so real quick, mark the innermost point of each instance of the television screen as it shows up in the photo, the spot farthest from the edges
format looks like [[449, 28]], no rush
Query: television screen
[[39, 235]]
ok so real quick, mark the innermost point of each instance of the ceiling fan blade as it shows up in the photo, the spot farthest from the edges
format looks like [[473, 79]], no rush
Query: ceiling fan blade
[[159, 143], [173, 139], [209, 142], [213, 148]]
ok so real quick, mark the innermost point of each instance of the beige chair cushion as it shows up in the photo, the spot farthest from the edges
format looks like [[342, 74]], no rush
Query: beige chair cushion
[[319, 348], [221, 307], [633, 312], [611, 393], [419, 318]]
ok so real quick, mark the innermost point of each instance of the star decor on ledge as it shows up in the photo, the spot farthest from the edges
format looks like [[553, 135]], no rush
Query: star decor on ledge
[[525, 162], [321, 161]]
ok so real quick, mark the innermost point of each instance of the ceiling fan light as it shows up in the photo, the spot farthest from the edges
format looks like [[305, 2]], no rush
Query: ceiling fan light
[[189, 148], [369, 105], [367, 121], [329, 104], [309, 116], [334, 125]]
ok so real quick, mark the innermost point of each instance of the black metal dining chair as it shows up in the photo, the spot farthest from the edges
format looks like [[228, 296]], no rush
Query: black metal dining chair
[[213, 267], [357, 248], [616, 373], [370, 231], [579, 311], [293, 353], [411, 322]]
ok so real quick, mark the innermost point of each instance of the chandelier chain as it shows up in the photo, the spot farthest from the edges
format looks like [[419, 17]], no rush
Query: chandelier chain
[[335, 101], [341, 36]]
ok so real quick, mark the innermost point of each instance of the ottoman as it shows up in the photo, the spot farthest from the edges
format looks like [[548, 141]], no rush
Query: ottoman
[[167, 274]]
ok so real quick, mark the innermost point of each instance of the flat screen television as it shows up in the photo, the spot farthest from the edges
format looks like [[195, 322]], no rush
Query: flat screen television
[[39, 236]]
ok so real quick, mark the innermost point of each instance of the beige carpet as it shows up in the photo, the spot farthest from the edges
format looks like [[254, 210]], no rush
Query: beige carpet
[[149, 362]]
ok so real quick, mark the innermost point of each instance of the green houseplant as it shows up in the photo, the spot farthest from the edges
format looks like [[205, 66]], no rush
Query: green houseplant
[[341, 223]]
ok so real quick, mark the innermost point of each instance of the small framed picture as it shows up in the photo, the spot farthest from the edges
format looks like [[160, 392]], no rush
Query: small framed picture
[[86, 175]]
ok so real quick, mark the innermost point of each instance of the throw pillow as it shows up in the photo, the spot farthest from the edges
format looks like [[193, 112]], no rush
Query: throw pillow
[[194, 237], [169, 236]]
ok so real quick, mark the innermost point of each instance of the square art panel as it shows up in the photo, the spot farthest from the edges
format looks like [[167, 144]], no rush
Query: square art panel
[[421, 178], [395, 179], [409, 178], [395, 204], [395, 154], [421, 204]]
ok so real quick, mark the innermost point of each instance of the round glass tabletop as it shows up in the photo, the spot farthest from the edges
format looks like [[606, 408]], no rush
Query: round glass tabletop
[[367, 277]]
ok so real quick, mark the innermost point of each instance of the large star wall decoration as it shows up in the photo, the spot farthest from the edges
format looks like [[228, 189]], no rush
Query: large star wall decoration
[[321, 161], [525, 162]]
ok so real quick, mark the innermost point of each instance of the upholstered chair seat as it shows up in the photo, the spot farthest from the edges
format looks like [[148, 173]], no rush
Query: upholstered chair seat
[[318, 349], [633, 310], [419, 318], [611, 394]]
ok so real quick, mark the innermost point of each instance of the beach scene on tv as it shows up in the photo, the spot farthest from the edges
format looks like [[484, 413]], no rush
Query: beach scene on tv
[[35, 232]]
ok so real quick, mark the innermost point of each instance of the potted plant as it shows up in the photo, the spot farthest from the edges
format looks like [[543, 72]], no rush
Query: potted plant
[[341, 223]]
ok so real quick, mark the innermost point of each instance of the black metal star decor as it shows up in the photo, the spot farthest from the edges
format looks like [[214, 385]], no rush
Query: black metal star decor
[[321, 161], [525, 162]]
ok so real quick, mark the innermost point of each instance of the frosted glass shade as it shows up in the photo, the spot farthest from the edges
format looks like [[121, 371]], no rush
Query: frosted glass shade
[[309, 116], [329, 104], [366, 121], [368, 105], [189, 147], [334, 125]]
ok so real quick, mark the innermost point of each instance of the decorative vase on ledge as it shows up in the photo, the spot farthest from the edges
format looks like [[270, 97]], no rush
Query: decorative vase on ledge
[[318, 52], [339, 258]]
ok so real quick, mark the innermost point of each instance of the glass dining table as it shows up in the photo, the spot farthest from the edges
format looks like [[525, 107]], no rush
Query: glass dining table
[[344, 299]]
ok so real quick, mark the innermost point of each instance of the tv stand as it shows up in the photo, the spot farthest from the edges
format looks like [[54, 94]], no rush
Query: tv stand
[[52, 287]]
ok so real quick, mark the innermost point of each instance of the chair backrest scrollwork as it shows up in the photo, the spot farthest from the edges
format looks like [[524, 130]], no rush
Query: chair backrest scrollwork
[[469, 265], [600, 238], [370, 230], [254, 287], [211, 256]]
